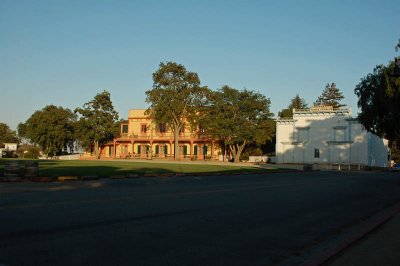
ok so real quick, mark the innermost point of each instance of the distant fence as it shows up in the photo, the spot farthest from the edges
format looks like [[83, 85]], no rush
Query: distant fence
[[69, 157], [62, 157], [340, 167], [258, 159]]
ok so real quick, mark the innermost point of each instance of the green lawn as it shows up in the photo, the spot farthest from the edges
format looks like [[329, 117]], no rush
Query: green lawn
[[54, 168]]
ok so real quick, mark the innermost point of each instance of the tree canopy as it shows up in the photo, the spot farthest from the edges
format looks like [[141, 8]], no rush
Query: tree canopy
[[331, 96], [7, 135], [175, 98], [295, 103], [378, 98], [52, 128], [238, 118], [98, 122]]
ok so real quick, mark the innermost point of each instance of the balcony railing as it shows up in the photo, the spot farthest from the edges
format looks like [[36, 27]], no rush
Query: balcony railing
[[158, 135]]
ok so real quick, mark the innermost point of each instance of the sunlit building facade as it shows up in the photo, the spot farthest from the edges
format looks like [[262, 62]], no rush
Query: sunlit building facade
[[142, 137]]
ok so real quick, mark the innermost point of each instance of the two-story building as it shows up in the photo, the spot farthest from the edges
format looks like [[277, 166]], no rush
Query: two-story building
[[8, 147], [141, 137], [325, 135]]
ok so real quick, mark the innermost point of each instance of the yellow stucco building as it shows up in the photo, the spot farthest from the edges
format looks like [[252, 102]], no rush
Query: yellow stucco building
[[141, 137]]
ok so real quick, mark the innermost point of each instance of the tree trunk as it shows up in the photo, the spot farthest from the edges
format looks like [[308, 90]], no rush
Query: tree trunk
[[96, 149], [176, 142], [232, 148], [223, 159], [236, 150]]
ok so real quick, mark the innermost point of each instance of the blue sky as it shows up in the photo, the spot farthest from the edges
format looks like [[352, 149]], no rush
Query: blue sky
[[65, 52]]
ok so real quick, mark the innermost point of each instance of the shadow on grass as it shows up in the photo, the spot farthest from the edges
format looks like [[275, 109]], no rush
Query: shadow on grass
[[55, 168]]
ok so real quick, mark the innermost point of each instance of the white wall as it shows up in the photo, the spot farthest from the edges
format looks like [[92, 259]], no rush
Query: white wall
[[338, 137], [284, 133], [11, 146], [378, 151]]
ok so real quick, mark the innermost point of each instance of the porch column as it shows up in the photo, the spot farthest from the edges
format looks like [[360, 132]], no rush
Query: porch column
[[212, 150], [114, 150], [133, 147], [150, 155], [181, 152], [142, 150], [200, 151], [161, 150], [191, 148]]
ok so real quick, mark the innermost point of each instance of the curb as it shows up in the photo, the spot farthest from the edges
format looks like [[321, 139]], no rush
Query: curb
[[364, 228], [11, 179], [68, 178]]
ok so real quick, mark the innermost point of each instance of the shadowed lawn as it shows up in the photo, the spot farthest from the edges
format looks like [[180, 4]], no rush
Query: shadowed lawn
[[55, 168]]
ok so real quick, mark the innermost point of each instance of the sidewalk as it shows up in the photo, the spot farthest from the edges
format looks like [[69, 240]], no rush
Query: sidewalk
[[379, 247]]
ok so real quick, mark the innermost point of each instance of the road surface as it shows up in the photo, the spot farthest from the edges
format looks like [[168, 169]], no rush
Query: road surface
[[260, 219]]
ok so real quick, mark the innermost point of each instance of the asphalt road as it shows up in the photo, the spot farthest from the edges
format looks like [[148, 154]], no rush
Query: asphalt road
[[269, 219]]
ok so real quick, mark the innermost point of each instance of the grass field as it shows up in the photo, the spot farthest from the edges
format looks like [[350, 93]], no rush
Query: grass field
[[54, 168]]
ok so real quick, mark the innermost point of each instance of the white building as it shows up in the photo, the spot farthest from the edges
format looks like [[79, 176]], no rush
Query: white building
[[11, 146], [7, 148], [325, 135]]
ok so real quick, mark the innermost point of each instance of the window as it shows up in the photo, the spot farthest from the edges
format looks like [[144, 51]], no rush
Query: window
[[316, 153], [339, 134], [165, 150], [302, 134], [202, 131], [125, 129], [162, 127], [143, 128], [183, 150], [205, 150]]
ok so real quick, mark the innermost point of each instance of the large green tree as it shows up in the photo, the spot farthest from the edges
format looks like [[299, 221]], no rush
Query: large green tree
[[175, 98], [378, 98], [238, 118], [295, 103], [331, 96], [52, 128], [7, 135], [98, 122]]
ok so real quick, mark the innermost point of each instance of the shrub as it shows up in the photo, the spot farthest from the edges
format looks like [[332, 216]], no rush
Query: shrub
[[27, 151]]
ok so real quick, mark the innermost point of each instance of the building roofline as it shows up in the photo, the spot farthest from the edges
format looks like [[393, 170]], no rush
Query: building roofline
[[322, 110], [285, 120]]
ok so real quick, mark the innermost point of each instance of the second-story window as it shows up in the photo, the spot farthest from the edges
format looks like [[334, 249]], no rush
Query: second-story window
[[162, 127], [143, 128], [124, 129], [202, 130], [302, 134], [339, 134]]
